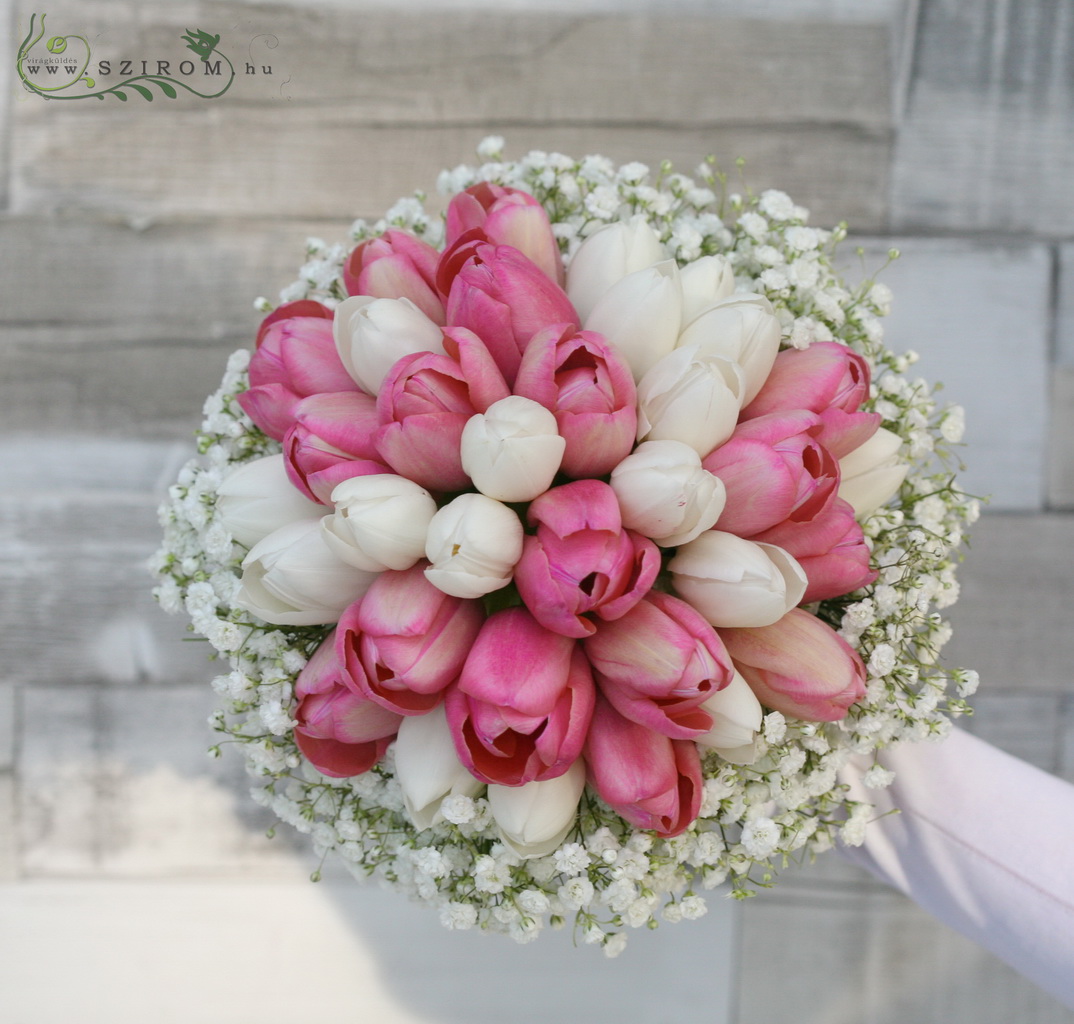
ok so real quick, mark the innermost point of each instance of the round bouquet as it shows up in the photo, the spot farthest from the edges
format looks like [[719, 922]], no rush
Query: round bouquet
[[565, 547]]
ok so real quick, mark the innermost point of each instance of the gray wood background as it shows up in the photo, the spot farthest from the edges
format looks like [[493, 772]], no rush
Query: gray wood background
[[133, 238]]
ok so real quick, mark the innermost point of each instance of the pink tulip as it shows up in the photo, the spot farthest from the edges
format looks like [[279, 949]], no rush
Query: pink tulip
[[798, 666], [503, 297], [581, 562], [340, 732], [523, 702], [405, 642], [424, 403], [588, 385], [774, 469], [331, 441], [289, 310], [396, 266], [830, 549], [652, 781], [829, 379], [658, 663], [505, 216], [296, 357]]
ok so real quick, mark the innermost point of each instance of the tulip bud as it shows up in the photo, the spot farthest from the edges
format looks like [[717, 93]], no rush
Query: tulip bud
[[641, 315], [396, 266], [380, 521], [872, 473], [512, 451], [665, 494], [737, 716], [736, 582], [607, 256], [691, 398], [256, 499], [373, 334], [292, 578], [473, 543], [535, 818], [705, 281], [743, 329], [428, 769]]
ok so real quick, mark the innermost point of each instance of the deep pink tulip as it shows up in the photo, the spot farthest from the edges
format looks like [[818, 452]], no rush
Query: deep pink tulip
[[523, 702], [657, 663], [505, 216], [405, 642], [652, 781], [799, 666], [340, 732], [829, 379], [396, 266], [774, 469], [581, 562], [830, 549], [330, 441], [503, 297], [424, 404], [588, 385], [295, 358]]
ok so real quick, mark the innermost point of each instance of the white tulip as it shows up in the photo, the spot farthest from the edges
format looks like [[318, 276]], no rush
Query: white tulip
[[535, 818], [706, 281], [258, 498], [736, 720], [691, 398], [291, 578], [380, 521], [512, 450], [872, 473], [374, 334], [607, 256], [743, 329], [427, 767], [641, 315], [736, 582], [665, 494], [473, 543]]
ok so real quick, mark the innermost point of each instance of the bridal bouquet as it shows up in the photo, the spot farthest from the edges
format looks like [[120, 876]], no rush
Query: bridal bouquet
[[564, 548]]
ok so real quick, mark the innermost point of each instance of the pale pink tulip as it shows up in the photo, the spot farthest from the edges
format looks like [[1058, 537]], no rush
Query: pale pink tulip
[[340, 732], [581, 562], [651, 780], [396, 266], [587, 384], [523, 702], [658, 664], [289, 310], [505, 216], [798, 666], [405, 642]]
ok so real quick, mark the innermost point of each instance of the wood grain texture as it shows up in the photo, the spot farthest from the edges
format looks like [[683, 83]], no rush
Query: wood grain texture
[[1060, 449]]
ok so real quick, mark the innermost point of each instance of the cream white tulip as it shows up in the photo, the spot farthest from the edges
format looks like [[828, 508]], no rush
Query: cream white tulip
[[535, 818], [872, 473], [706, 281], [607, 256], [258, 498], [473, 543], [641, 315], [380, 521], [373, 334], [691, 398], [291, 578], [512, 450], [665, 494], [427, 767], [736, 582], [741, 328], [737, 716]]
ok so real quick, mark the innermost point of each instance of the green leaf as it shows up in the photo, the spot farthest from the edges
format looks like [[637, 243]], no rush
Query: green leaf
[[120, 95], [168, 90], [141, 89]]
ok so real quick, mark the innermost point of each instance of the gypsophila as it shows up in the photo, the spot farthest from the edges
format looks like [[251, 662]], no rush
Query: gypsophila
[[606, 873]]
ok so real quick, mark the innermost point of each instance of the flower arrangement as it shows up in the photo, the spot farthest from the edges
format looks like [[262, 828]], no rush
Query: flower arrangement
[[565, 548]]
